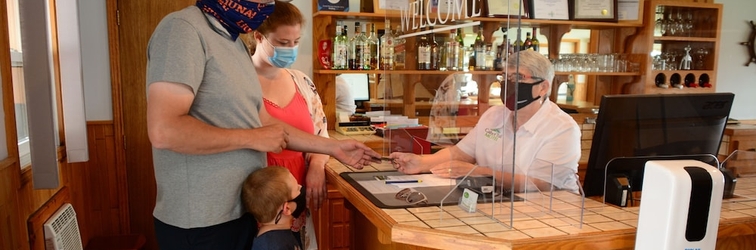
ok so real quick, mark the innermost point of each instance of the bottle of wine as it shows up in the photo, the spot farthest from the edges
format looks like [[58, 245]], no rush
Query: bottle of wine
[[528, 42], [534, 43], [340, 48], [423, 53], [373, 51], [518, 44], [400, 51], [387, 49], [435, 50], [480, 50]]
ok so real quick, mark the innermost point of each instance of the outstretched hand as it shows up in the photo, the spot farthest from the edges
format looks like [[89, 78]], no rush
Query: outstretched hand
[[407, 163], [355, 154]]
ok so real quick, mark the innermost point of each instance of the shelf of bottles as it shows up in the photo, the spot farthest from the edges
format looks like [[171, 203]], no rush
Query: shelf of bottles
[[433, 53], [685, 41]]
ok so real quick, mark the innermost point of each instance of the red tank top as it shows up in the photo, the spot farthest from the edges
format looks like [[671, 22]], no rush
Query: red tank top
[[296, 114]]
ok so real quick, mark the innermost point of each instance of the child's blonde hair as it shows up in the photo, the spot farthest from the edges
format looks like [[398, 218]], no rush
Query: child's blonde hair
[[264, 191]]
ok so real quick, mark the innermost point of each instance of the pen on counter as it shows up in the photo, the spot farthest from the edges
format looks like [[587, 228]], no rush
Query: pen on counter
[[402, 181]]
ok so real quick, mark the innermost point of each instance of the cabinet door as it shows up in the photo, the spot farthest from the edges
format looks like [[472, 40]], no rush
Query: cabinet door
[[332, 222]]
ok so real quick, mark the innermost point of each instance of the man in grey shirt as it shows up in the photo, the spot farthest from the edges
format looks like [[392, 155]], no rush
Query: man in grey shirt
[[208, 127]]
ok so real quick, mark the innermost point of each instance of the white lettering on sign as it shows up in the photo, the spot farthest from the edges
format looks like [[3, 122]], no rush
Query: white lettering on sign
[[425, 13]]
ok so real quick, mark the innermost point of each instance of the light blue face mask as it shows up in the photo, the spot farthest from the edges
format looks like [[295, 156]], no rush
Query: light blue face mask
[[283, 57]]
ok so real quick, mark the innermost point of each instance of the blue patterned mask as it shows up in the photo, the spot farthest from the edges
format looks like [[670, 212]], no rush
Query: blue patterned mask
[[283, 57], [237, 16]]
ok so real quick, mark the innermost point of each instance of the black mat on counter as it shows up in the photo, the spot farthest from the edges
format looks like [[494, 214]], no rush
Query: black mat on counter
[[434, 193]]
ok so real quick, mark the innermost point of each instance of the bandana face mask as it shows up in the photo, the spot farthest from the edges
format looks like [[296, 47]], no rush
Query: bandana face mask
[[524, 91], [237, 16]]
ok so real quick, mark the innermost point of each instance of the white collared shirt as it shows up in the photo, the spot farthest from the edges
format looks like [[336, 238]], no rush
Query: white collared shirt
[[551, 136]]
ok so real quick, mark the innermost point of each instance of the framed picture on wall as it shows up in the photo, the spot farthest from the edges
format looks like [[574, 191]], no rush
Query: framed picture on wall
[[549, 9], [515, 8], [593, 10]]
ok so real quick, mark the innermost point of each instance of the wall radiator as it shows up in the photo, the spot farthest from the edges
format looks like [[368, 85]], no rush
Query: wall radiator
[[62, 230]]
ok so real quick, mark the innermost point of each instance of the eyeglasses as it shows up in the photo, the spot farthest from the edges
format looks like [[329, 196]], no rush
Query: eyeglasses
[[411, 196], [520, 79]]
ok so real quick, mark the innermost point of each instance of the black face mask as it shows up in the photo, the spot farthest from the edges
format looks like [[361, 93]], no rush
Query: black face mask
[[301, 201], [524, 94]]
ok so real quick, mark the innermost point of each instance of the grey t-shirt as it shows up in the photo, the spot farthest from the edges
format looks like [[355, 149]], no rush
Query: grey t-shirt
[[192, 48]]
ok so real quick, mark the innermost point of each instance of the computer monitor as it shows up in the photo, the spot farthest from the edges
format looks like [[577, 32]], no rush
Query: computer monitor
[[358, 86], [653, 125]]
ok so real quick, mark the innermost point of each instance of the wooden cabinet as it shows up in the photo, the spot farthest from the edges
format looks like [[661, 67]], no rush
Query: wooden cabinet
[[637, 40], [333, 221], [671, 28], [324, 28]]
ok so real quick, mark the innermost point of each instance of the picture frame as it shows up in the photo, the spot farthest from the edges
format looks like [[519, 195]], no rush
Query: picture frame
[[511, 10], [549, 9], [593, 10], [389, 6]]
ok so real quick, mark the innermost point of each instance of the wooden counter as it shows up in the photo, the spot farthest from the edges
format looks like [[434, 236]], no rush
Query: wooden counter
[[603, 227]]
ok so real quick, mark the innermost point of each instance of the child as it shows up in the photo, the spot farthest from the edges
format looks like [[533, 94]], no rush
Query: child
[[268, 194]]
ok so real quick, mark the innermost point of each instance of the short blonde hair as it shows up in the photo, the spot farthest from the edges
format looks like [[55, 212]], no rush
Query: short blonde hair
[[264, 191]]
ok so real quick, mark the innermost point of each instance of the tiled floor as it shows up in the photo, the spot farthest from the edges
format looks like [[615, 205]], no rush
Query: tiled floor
[[534, 218]]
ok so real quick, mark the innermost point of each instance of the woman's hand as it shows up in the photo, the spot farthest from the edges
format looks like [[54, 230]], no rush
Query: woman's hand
[[316, 186], [453, 169], [407, 163]]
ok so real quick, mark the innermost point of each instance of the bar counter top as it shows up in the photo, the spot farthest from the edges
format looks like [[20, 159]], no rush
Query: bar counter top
[[604, 226]]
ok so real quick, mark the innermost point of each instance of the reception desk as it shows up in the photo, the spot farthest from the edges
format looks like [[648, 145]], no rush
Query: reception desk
[[603, 227]]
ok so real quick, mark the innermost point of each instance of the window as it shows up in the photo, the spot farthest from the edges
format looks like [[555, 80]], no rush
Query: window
[[19, 94]]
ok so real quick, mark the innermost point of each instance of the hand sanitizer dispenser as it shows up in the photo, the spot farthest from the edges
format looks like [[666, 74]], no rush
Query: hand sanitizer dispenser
[[680, 205]]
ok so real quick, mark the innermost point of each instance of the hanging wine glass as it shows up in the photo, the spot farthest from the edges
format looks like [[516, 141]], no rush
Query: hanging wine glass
[[689, 22], [661, 26]]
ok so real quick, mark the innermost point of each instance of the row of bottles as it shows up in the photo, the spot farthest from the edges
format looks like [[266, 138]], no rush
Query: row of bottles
[[368, 52]]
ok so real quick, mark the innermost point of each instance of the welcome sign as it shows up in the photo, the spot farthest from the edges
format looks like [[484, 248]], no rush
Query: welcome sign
[[428, 13]]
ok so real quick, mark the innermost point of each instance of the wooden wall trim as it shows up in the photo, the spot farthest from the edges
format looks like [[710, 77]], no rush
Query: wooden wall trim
[[104, 122], [117, 122], [38, 218]]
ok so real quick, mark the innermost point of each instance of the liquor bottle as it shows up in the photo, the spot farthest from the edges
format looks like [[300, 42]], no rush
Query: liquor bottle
[[435, 50], [399, 49], [461, 59], [528, 42], [387, 49], [357, 47], [373, 52], [451, 52], [480, 50], [534, 43], [340, 48], [471, 57], [423, 53], [502, 52], [489, 58]]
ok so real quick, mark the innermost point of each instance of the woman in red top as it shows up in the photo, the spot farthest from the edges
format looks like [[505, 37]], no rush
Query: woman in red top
[[290, 96]]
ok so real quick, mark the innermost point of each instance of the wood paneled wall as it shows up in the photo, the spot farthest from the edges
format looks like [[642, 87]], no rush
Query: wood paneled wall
[[96, 192]]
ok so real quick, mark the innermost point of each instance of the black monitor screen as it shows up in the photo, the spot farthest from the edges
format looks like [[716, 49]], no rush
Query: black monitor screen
[[654, 125]]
